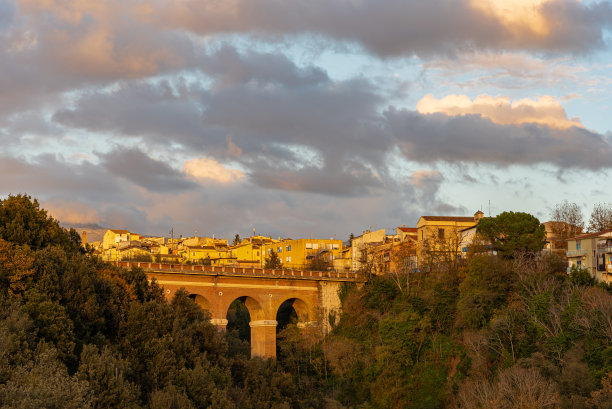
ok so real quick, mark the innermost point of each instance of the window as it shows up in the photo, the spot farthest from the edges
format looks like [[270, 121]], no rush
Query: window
[[577, 245], [328, 246], [279, 249], [288, 259], [308, 245], [335, 247], [441, 233], [315, 245], [288, 248], [579, 263], [257, 253], [421, 234]]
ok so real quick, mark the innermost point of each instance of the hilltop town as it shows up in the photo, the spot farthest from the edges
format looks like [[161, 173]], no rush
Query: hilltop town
[[406, 249]]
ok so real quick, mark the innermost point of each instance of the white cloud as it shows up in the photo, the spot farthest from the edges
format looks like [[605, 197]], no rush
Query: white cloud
[[544, 110], [208, 169]]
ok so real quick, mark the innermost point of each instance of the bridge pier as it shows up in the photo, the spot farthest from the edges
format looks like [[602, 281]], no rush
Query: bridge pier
[[263, 338], [220, 323]]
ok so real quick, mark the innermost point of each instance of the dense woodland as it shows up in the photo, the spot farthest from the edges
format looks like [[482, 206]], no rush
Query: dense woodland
[[494, 332]]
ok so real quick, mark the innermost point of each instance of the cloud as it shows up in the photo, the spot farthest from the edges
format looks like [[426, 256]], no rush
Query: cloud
[[545, 110], [208, 169], [472, 138], [134, 165], [410, 27], [72, 212]]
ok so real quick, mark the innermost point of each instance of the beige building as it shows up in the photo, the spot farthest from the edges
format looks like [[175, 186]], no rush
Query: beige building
[[440, 238], [592, 251], [360, 245]]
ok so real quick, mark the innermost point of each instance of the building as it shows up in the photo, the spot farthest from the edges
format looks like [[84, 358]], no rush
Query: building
[[592, 251], [362, 243], [557, 234], [113, 237], [439, 238], [344, 260], [250, 252], [304, 254]]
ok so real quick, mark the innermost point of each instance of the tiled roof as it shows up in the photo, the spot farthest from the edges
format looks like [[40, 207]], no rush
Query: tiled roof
[[119, 231], [448, 218], [591, 235], [408, 229]]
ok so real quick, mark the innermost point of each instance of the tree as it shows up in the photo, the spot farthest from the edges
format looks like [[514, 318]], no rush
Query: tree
[[485, 289], [236, 240], [273, 262], [513, 232], [23, 222], [567, 222], [318, 263], [601, 217]]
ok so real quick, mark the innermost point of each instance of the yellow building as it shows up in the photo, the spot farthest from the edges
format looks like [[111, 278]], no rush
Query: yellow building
[[250, 252], [302, 253], [439, 237], [207, 254], [113, 237], [133, 252]]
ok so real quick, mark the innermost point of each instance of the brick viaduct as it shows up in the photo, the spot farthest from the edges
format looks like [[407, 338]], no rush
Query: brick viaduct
[[312, 294]]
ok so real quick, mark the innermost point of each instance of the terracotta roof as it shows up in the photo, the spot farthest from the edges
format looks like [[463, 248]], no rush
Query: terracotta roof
[[449, 218], [198, 247], [408, 229], [119, 231], [591, 235]]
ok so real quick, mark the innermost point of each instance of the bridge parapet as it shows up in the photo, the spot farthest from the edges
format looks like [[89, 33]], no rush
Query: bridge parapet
[[244, 271]]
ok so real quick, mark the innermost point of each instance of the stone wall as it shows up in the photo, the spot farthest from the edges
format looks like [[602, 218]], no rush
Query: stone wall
[[329, 304]]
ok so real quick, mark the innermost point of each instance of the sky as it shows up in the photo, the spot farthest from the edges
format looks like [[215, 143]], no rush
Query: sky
[[303, 118]]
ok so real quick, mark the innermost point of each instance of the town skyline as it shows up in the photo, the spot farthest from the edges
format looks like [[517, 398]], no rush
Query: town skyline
[[305, 118]]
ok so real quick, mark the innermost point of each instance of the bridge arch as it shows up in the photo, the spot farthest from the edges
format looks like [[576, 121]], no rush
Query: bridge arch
[[306, 313], [201, 301], [262, 329]]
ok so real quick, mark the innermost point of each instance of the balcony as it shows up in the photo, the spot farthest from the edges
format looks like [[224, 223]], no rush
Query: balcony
[[604, 249], [576, 253]]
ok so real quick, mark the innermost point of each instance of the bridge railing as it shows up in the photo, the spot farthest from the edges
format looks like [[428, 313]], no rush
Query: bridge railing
[[248, 271]]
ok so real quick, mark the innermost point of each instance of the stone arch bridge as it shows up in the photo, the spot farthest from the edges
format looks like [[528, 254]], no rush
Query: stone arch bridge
[[312, 294]]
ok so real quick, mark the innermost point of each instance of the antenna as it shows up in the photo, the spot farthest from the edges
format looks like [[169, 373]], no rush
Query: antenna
[[489, 207]]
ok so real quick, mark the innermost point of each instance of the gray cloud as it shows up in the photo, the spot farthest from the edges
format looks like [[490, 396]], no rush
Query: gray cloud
[[230, 68], [399, 27], [471, 138], [50, 175], [137, 167], [161, 111]]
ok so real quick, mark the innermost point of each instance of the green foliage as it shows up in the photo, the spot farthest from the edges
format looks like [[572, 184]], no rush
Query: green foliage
[[107, 376], [45, 383], [273, 261], [513, 232], [484, 290], [23, 222], [381, 293], [581, 276]]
